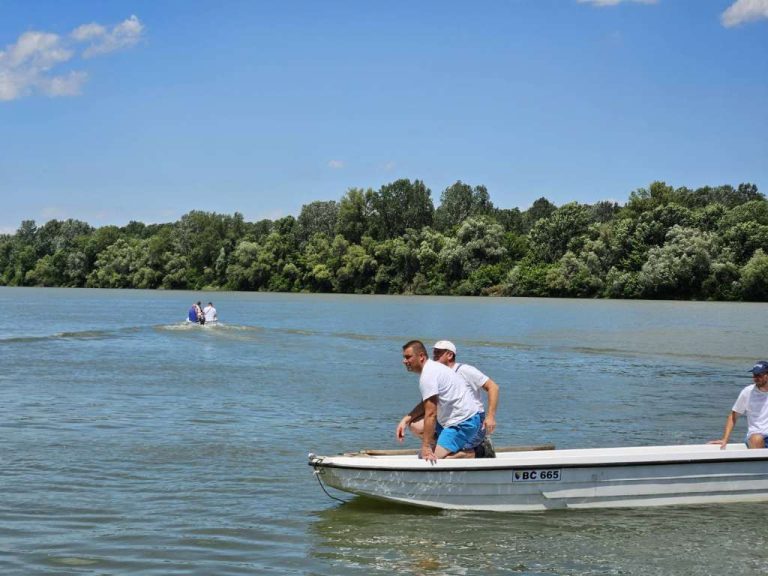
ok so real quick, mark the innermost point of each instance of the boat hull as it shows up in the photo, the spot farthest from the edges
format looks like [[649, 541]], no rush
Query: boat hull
[[532, 481]]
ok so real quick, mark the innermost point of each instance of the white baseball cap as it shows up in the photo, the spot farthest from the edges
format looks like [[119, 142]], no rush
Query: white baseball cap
[[445, 345]]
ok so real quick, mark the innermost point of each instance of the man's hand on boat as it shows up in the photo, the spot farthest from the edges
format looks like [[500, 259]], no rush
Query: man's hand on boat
[[721, 442], [428, 454], [402, 426]]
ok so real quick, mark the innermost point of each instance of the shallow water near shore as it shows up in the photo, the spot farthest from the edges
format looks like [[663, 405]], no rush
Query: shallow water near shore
[[134, 443]]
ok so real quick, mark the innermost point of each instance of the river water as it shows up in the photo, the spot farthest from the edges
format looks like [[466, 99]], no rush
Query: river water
[[135, 444]]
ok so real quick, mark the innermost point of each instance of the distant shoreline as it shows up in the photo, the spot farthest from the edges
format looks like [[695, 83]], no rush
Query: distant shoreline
[[664, 244]]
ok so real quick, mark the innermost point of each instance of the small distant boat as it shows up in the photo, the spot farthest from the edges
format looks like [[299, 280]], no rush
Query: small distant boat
[[540, 478], [203, 325]]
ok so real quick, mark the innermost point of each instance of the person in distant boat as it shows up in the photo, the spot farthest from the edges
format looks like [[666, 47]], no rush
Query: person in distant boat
[[448, 408], [752, 401], [210, 313], [444, 351], [192, 313], [199, 312]]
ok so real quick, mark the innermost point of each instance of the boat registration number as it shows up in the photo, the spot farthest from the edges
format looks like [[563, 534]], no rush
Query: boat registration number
[[537, 475]]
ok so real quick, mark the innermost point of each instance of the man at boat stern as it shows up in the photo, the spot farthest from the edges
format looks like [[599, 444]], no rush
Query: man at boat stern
[[753, 400], [448, 407]]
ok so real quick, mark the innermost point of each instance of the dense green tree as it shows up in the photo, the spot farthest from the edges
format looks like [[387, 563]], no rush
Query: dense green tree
[[552, 236], [679, 267], [123, 264], [622, 284], [754, 277], [527, 278], [724, 195], [398, 263], [541, 208], [316, 263], [400, 206], [317, 217], [354, 217], [511, 219], [574, 276], [45, 273], [199, 237], [646, 199], [427, 276], [478, 242], [744, 239], [604, 211], [356, 270], [248, 268], [708, 217], [460, 201]]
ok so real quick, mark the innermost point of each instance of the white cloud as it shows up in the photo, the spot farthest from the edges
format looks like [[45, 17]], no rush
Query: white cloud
[[123, 35], [28, 66], [743, 11], [614, 2], [88, 32], [336, 164]]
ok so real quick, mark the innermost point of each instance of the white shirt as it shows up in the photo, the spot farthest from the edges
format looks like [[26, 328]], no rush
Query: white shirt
[[475, 379], [454, 398], [755, 404], [210, 314]]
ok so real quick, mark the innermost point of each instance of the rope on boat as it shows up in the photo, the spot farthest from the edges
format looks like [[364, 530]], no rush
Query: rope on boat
[[316, 474]]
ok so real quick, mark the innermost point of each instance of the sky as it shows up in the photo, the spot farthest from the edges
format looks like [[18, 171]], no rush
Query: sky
[[146, 110]]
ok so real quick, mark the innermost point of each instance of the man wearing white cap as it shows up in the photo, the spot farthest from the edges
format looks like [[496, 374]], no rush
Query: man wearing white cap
[[753, 400], [444, 352]]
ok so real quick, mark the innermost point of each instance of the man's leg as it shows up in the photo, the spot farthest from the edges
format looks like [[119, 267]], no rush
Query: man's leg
[[442, 452], [417, 427], [452, 441], [756, 441]]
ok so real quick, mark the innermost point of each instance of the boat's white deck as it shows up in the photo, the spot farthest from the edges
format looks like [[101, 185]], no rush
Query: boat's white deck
[[552, 458]]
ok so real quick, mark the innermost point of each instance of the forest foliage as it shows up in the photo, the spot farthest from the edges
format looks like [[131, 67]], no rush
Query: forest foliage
[[709, 243]]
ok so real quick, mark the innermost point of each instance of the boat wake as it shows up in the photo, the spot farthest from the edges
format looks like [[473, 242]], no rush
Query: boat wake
[[77, 335]]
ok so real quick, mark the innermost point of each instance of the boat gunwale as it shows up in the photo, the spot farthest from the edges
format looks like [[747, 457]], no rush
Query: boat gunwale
[[417, 465]]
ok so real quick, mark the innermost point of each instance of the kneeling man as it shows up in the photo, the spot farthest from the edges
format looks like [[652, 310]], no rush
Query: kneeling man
[[447, 405], [753, 400]]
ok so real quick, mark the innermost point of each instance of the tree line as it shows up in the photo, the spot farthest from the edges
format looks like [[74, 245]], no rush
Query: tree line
[[709, 243]]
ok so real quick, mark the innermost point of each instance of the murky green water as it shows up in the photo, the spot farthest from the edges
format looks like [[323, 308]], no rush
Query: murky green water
[[133, 444]]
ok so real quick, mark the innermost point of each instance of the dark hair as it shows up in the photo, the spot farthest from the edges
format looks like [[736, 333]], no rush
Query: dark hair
[[417, 345]]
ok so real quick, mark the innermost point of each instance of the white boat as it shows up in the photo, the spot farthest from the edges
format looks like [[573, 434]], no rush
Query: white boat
[[189, 322], [535, 479]]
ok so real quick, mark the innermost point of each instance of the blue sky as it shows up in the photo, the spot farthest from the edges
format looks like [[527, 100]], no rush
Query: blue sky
[[119, 111]]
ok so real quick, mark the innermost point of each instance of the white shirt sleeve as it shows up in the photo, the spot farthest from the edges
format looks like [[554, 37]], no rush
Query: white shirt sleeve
[[740, 406], [428, 383]]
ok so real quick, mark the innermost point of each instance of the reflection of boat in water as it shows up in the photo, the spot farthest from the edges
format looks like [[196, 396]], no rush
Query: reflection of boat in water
[[550, 479]]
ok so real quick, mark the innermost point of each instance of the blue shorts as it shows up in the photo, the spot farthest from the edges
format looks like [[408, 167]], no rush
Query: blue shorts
[[478, 438], [455, 438]]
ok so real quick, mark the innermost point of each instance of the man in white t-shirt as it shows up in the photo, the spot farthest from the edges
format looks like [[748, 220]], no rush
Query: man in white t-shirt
[[444, 351], [753, 400], [449, 411], [210, 313]]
